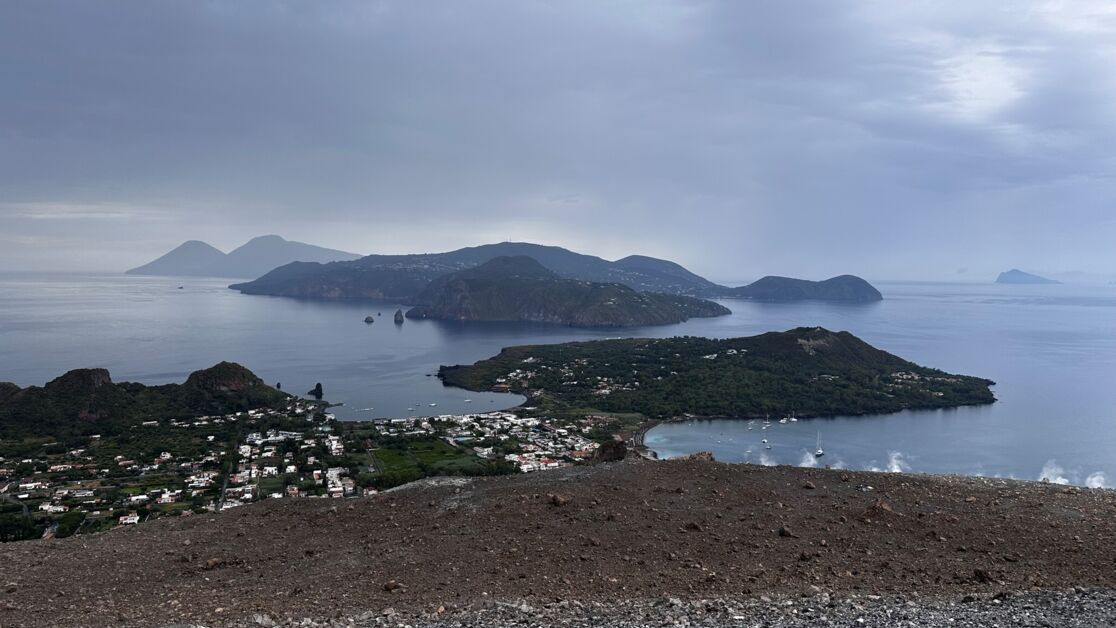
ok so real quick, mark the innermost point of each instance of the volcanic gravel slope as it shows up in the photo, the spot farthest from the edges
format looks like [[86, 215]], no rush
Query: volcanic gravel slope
[[618, 533]]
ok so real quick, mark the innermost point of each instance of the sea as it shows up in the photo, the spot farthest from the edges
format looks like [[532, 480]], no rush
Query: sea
[[1051, 350]]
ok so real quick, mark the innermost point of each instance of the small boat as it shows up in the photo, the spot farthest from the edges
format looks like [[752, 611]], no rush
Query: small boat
[[468, 401], [819, 452], [767, 446], [783, 420], [433, 405], [764, 441]]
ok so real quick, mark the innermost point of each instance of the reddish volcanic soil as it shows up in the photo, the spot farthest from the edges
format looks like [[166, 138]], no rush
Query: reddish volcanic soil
[[630, 530]]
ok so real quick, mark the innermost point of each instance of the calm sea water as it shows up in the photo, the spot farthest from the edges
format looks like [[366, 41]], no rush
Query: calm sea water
[[1051, 350]]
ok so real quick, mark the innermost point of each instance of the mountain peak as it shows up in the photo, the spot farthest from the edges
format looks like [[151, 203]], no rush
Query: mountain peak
[[251, 259], [1017, 276], [268, 238], [224, 376], [513, 265], [80, 380]]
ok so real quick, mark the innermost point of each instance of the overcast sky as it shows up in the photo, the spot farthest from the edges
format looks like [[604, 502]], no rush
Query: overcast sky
[[887, 139]]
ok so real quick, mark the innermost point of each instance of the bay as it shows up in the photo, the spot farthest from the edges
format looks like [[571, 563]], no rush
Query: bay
[[1051, 350]]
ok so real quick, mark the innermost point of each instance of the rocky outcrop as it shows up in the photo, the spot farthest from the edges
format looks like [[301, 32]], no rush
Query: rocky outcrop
[[87, 401]]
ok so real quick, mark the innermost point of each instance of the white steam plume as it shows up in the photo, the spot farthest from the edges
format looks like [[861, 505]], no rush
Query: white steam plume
[[1052, 472]]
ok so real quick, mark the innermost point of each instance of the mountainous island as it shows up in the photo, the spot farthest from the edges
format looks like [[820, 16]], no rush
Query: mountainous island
[[254, 258], [1016, 276], [520, 289], [87, 401], [403, 277], [807, 371], [844, 288]]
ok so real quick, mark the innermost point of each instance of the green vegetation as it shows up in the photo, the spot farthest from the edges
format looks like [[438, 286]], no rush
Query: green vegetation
[[401, 277], [86, 401], [808, 371], [845, 288], [521, 289], [402, 460]]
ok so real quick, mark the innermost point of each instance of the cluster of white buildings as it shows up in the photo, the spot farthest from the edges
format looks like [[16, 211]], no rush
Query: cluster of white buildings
[[76, 480], [542, 444]]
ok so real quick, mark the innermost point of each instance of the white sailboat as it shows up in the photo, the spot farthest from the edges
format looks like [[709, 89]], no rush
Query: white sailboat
[[819, 452]]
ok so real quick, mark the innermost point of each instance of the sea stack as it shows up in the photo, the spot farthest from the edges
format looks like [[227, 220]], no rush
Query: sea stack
[[317, 391], [398, 317]]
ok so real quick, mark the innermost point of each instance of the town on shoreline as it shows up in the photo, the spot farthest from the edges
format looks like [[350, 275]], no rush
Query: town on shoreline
[[297, 451]]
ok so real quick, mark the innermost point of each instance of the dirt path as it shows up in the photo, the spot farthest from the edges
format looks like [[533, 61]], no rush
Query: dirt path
[[632, 530]]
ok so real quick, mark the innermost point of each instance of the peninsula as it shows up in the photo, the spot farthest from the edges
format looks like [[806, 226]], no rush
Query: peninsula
[[520, 289], [809, 371]]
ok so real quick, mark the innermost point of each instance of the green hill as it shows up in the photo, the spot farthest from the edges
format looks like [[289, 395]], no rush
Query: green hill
[[86, 401], [402, 277], [521, 289], [847, 288], [808, 371]]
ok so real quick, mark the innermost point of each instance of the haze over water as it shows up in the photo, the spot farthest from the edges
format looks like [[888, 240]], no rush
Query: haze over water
[[1051, 350]]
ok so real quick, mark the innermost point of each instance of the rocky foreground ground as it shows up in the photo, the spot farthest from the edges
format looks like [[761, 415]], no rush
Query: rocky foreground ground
[[631, 543]]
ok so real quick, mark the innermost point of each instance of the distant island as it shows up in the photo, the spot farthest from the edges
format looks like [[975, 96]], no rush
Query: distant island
[[807, 371], [518, 288], [256, 257], [1017, 276], [86, 401], [403, 277], [846, 288]]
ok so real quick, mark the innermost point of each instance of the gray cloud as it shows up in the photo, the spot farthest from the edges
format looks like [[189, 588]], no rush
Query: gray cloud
[[805, 137]]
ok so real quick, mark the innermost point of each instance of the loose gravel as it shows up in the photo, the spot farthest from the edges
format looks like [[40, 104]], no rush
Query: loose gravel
[[605, 536]]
